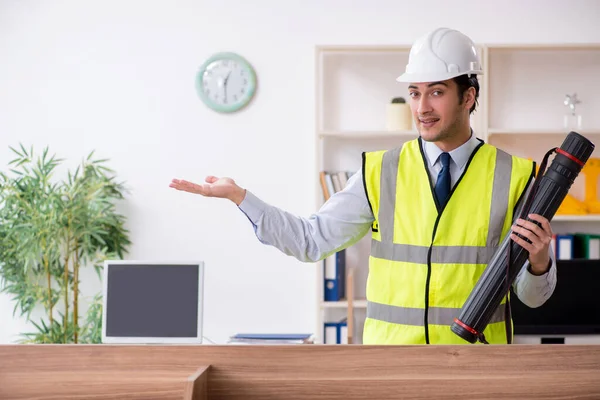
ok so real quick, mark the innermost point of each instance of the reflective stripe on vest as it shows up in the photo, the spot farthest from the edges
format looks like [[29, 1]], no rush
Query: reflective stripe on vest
[[416, 316]]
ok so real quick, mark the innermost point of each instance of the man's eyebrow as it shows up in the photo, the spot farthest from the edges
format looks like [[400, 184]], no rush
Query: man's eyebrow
[[437, 83], [429, 85]]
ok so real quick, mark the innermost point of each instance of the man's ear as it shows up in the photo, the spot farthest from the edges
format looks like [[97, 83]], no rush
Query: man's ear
[[469, 98]]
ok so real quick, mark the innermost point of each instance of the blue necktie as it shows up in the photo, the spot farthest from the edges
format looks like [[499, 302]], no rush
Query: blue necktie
[[442, 186]]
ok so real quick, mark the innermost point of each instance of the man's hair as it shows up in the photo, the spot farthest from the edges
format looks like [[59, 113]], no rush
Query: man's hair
[[464, 82]]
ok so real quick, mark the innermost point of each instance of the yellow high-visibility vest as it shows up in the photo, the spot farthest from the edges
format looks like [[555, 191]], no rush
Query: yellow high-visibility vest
[[425, 262]]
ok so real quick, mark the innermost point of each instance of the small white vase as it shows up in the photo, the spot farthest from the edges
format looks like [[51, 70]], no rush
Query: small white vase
[[398, 117]]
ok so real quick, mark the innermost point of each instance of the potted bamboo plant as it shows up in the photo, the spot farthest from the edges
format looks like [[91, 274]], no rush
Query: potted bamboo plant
[[49, 230]]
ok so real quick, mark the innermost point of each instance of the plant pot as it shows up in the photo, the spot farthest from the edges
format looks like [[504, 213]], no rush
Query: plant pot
[[398, 117]]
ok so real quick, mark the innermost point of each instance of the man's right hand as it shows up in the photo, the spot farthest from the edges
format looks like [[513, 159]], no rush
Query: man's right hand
[[224, 188]]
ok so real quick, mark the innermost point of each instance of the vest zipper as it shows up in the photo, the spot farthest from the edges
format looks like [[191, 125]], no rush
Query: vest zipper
[[425, 322]]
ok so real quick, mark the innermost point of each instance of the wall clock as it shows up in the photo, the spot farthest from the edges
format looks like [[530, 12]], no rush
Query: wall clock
[[226, 82]]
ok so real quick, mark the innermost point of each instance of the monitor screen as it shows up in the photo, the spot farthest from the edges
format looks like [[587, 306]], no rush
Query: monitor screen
[[147, 302], [573, 308]]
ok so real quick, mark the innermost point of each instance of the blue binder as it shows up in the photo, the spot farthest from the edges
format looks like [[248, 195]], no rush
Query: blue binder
[[333, 331], [564, 247], [334, 268]]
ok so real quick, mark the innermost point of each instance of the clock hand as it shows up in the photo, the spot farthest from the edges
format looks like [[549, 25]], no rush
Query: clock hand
[[227, 78], [225, 85]]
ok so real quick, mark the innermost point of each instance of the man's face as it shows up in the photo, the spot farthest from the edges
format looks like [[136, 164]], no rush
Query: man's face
[[436, 109]]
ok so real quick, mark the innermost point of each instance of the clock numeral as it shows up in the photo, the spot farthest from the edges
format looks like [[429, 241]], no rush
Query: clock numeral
[[243, 90], [245, 81], [224, 100], [235, 97]]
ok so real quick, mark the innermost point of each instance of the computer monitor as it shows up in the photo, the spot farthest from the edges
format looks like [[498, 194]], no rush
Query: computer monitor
[[152, 302]]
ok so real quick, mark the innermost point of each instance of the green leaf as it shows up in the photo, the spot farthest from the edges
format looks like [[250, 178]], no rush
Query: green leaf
[[15, 151]]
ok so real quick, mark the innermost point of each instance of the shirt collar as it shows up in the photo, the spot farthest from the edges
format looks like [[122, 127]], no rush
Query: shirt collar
[[460, 155]]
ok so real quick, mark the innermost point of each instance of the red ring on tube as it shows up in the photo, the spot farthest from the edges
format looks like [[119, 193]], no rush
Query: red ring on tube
[[473, 331], [569, 156]]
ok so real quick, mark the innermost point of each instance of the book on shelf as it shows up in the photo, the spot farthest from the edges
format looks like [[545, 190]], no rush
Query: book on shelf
[[333, 182]]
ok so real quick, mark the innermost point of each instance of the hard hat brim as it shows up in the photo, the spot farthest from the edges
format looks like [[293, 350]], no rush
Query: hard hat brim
[[433, 77]]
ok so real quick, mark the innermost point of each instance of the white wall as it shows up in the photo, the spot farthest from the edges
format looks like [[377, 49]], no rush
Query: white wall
[[118, 77]]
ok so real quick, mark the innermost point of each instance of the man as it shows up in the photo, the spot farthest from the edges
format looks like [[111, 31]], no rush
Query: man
[[437, 207]]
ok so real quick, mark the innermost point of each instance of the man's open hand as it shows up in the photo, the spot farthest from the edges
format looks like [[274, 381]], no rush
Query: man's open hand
[[224, 188]]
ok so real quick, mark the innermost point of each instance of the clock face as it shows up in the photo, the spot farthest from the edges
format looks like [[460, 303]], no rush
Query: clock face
[[226, 82]]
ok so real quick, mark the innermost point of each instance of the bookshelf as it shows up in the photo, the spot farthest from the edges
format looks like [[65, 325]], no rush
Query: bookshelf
[[520, 110]]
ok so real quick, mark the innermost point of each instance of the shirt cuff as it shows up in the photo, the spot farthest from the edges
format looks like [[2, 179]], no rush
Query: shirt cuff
[[541, 281], [253, 207]]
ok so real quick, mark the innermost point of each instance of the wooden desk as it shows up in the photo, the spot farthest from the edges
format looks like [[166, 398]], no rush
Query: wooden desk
[[299, 372]]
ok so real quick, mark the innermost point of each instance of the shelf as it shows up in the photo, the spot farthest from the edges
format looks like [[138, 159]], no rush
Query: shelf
[[343, 304], [564, 132], [368, 134], [576, 218]]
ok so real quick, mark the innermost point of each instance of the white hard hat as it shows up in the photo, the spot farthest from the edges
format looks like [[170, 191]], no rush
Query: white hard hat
[[439, 55]]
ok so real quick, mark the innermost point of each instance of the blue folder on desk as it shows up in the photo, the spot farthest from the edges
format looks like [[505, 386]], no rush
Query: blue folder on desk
[[272, 336]]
